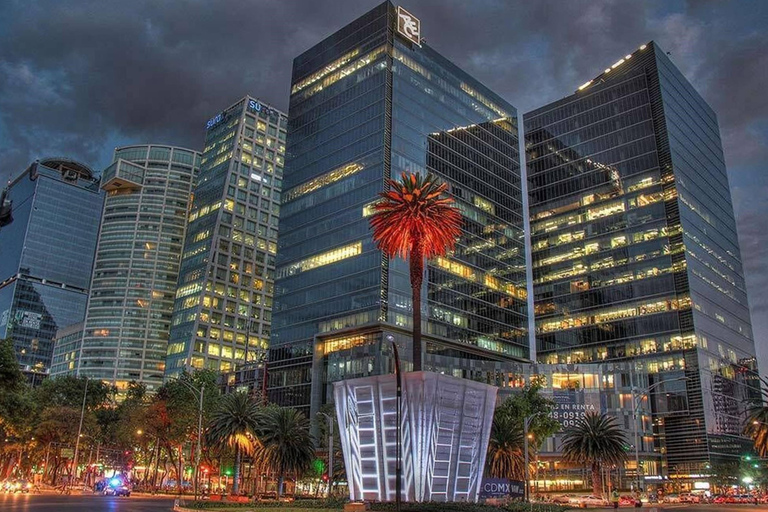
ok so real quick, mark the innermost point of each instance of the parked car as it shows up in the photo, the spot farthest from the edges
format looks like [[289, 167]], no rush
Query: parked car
[[562, 498], [628, 500], [672, 498], [687, 497], [588, 500]]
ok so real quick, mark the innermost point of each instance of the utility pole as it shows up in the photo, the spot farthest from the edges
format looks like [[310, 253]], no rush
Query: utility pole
[[398, 441], [330, 451], [79, 430]]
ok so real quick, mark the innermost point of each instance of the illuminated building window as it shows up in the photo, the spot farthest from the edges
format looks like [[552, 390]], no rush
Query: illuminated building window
[[484, 205], [610, 315], [188, 290], [321, 181], [202, 235], [335, 76], [346, 343], [330, 68], [322, 259]]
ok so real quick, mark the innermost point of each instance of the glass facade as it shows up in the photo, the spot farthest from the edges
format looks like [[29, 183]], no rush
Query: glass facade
[[223, 305], [125, 337], [366, 104], [634, 249], [66, 349], [46, 257]]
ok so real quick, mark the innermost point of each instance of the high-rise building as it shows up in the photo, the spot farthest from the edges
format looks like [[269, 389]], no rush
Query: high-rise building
[[223, 305], [367, 103], [125, 335], [46, 257], [635, 253]]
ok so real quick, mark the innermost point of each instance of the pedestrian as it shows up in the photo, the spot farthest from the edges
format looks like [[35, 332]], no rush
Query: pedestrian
[[615, 498]]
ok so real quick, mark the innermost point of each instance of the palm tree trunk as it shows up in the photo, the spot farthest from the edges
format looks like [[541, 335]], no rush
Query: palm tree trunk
[[417, 275], [236, 480], [596, 483]]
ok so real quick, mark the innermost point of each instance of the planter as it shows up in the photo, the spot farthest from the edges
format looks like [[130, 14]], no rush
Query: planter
[[445, 425]]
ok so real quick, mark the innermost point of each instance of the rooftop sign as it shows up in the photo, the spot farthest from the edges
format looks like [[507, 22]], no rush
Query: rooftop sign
[[408, 26]]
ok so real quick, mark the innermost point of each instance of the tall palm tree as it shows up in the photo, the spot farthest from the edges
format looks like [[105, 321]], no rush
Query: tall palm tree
[[505, 457], [287, 446], [412, 221], [596, 439], [234, 424]]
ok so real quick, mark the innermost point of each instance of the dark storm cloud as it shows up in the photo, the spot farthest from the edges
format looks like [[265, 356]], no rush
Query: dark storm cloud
[[79, 77]]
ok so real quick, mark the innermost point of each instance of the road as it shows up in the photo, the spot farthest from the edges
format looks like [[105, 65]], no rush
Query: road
[[677, 507], [86, 503]]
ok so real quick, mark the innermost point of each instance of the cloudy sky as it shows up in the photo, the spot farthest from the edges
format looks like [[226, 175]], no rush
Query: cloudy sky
[[78, 78]]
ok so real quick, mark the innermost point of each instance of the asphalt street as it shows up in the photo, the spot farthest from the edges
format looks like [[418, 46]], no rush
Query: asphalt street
[[87, 503], [695, 508], [90, 503]]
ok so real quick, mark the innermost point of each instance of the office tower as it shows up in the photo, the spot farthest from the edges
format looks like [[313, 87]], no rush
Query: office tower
[[223, 305], [125, 335], [367, 103], [636, 257], [46, 257]]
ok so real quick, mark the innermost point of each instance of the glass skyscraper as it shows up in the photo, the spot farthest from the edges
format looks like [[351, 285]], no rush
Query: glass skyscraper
[[635, 253], [46, 257], [223, 304], [367, 103], [125, 336]]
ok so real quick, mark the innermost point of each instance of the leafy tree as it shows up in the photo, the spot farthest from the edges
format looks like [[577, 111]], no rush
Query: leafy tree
[[596, 439], [412, 221], [235, 423], [506, 458], [11, 378], [68, 390], [287, 445]]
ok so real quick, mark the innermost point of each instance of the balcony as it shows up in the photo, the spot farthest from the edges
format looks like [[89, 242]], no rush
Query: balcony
[[122, 175]]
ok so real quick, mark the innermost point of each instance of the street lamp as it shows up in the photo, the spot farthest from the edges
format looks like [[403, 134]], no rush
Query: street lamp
[[199, 394], [80, 430], [526, 424], [140, 432], [636, 398]]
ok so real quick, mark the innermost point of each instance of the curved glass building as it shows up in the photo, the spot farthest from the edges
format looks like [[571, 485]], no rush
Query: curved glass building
[[142, 231]]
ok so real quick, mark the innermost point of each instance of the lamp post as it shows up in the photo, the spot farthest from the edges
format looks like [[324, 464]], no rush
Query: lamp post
[[79, 430], [526, 424], [636, 398], [398, 441], [198, 394], [329, 418]]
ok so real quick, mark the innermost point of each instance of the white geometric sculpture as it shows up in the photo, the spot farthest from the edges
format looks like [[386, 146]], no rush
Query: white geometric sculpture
[[446, 423]]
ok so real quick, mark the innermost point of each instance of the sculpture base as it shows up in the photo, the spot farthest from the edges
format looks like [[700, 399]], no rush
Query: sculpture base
[[445, 426]]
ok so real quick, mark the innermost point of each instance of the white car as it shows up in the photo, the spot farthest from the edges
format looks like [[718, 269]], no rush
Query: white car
[[588, 500]]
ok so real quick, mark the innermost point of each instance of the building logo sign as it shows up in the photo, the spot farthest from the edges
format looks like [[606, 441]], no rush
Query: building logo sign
[[501, 488], [214, 121], [408, 26]]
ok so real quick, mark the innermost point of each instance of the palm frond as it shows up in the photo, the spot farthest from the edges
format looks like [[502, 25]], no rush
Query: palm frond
[[412, 216], [595, 439]]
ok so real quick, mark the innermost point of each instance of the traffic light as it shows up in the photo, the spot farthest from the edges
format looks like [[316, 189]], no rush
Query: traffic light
[[325, 477]]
